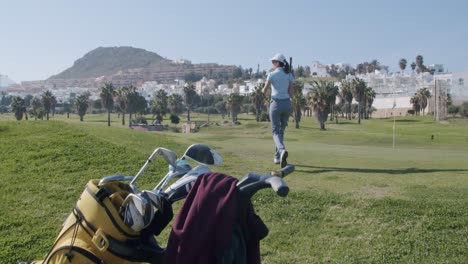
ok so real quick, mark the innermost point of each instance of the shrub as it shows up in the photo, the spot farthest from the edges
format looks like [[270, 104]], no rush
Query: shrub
[[206, 110], [464, 109], [175, 119], [141, 120], [453, 110]]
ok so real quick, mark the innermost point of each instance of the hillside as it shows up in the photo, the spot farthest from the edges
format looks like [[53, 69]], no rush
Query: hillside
[[110, 60]]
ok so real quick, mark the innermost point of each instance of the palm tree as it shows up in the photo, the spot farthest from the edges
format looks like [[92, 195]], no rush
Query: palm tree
[[413, 66], [234, 105], [402, 64], [48, 100], [18, 107], [82, 104], [36, 108], [67, 106], [346, 93], [159, 105], [424, 94], [416, 104], [137, 104], [298, 101], [359, 88], [369, 95], [420, 62], [132, 100], [175, 103], [107, 99], [122, 100], [321, 98], [258, 99], [189, 98], [221, 108]]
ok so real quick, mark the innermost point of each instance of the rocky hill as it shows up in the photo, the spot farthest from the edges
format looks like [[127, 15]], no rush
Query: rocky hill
[[110, 60]]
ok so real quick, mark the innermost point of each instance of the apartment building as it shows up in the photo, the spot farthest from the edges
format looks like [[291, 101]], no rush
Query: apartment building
[[395, 90]]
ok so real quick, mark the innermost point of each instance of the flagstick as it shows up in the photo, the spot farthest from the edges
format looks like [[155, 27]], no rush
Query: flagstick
[[394, 130], [393, 111]]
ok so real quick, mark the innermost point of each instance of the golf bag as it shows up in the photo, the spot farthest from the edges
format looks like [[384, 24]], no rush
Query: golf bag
[[216, 224], [95, 232]]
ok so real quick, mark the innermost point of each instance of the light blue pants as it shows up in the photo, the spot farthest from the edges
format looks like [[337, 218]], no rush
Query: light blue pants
[[279, 115]]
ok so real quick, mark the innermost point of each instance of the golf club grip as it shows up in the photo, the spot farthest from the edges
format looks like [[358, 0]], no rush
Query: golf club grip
[[278, 185], [284, 171], [248, 179], [264, 181]]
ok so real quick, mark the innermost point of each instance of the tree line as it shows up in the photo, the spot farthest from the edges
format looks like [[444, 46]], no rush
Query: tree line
[[126, 100], [321, 100]]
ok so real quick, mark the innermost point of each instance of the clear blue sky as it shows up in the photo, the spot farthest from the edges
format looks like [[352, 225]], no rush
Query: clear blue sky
[[42, 38]]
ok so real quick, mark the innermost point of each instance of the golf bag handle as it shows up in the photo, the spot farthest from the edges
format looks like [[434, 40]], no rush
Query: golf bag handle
[[253, 182], [253, 177], [278, 185]]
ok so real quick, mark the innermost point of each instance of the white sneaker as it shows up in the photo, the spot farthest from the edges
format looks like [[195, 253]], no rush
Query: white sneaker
[[283, 158]]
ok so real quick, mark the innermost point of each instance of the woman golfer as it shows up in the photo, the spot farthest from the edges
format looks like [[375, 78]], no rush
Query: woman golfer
[[280, 83]]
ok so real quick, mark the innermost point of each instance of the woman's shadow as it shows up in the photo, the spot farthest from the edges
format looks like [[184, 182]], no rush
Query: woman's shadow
[[321, 169]]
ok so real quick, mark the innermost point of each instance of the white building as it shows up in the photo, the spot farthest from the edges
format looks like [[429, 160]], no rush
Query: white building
[[222, 88], [395, 90], [205, 86], [148, 89], [318, 70], [181, 61], [458, 87], [5, 82]]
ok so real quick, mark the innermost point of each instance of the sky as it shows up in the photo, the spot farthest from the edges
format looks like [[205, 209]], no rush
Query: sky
[[42, 38]]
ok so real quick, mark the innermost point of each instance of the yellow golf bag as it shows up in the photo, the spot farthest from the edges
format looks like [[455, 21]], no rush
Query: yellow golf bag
[[95, 232]]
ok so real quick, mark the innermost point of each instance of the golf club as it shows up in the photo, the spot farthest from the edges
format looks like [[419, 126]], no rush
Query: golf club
[[168, 155], [138, 212], [181, 187]]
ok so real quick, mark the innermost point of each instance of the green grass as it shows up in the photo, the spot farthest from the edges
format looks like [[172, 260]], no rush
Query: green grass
[[353, 199]]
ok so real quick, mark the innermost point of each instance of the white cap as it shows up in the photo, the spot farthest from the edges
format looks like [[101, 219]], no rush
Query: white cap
[[279, 57]]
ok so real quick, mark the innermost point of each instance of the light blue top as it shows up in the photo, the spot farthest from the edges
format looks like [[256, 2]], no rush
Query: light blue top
[[280, 83]]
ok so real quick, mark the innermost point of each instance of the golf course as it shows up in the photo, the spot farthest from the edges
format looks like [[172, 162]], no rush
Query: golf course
[[356, 195]]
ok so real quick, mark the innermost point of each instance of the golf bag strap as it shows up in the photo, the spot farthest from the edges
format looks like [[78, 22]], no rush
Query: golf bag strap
[[100, 200], [83, 252], [133, 250], [102, 193]]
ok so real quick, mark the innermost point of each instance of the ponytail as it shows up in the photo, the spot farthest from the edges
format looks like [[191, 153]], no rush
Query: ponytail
[[285, 66]]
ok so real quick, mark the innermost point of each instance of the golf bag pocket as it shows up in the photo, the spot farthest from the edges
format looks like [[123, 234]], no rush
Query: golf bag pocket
[[95, 232]]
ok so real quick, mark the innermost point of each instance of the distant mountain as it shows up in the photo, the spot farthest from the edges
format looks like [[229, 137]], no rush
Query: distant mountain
[[110, 60]]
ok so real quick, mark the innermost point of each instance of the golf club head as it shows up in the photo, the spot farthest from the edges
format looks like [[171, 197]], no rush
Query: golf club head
[[182, 187], [181, 168], [168, 155], [203, 154], [114, 178], [155, 198], [138, 212]]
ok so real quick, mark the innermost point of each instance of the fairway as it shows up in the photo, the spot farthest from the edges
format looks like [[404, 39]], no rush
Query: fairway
[[354, 198]]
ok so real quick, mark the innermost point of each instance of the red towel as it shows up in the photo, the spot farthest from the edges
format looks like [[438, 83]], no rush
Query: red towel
[[203, 228]]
